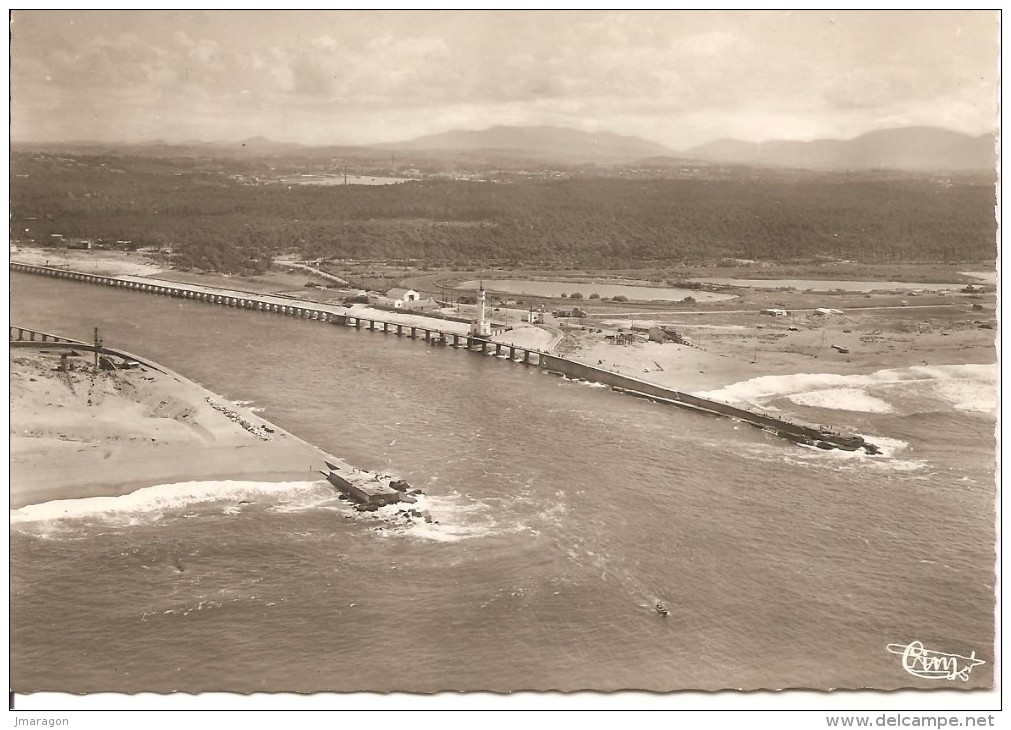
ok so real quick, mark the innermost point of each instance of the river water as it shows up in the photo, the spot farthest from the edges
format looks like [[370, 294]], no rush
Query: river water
[[565, 511]]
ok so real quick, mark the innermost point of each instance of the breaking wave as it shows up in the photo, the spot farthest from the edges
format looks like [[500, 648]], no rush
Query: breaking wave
[[846, 399], [159, 499], [454, 517], [968, 388]]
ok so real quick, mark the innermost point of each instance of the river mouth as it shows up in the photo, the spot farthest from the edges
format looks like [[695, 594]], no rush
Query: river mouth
[[587, 290]]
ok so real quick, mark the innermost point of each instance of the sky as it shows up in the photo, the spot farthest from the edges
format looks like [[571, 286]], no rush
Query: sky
[[680, 78]]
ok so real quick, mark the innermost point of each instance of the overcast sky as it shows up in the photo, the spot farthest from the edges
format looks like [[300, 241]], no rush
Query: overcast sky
[[317, 77]]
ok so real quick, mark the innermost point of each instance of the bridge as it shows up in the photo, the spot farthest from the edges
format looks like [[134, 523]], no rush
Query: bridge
[[273, 304], [453, 334], [25, 337]]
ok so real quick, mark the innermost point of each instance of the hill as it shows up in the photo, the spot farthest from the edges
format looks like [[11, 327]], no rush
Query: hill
[[914, 149], [557, 144]]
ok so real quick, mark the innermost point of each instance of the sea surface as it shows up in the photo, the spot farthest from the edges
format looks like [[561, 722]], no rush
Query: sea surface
[[565, 511]]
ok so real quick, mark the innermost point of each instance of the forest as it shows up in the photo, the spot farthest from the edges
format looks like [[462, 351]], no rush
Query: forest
[[211, 218]]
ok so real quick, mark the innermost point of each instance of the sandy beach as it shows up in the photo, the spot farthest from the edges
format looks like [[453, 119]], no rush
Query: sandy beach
[[108, 263], [736, 346], [84, 434]]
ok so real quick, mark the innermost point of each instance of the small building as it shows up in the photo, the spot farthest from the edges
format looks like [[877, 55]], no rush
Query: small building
[[574, 311], [775, 312], [422, 305], [404, 295], [661, 334], [389, 303], [535, 317]]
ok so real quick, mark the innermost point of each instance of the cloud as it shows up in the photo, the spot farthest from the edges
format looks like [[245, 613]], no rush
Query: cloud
[[311, 76]]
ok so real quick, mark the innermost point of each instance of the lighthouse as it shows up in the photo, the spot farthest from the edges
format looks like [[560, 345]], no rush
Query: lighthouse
[[479, 327]]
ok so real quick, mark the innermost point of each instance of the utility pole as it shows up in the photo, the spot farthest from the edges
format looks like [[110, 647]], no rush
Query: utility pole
[[98, 345]]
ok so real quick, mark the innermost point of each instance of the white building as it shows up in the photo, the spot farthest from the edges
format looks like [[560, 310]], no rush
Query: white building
[[404, 295]]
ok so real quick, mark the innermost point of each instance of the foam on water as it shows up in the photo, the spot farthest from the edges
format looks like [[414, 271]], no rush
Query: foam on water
[[846, 399], [970, 388], [455, 517], [154, 501], [885, 460], [969, 395]]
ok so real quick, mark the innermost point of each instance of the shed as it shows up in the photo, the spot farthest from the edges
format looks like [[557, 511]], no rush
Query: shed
[[404, 295], [423, 305]]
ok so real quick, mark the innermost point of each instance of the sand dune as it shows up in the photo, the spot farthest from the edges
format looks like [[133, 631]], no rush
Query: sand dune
[[84, 434]]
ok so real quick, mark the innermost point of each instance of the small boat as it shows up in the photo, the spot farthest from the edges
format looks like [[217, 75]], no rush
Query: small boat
[[661, 609]]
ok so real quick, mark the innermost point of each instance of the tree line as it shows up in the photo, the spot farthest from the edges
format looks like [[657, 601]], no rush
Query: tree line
[[210, 220]]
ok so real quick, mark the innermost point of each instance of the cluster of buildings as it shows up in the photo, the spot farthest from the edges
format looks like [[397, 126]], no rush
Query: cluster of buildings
[[404, 299]]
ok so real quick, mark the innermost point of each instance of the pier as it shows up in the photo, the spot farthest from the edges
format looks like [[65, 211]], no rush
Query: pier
[[24, 337], [459, 338]]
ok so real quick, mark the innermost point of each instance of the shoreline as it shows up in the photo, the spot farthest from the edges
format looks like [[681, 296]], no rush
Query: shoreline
[[707, 361], [79, 434]]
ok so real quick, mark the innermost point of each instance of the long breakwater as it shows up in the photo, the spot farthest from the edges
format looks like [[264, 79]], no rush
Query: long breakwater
[[442, 334]]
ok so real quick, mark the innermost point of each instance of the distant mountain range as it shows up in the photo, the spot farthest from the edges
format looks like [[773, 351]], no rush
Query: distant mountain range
[[913, 149], [917, 149], [561, 144], [907, 148]]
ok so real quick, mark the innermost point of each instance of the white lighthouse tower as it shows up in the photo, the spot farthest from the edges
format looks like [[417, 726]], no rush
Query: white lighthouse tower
[[479, 327]]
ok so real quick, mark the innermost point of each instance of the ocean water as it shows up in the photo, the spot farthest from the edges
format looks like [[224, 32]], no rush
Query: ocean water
[[564, 512]]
